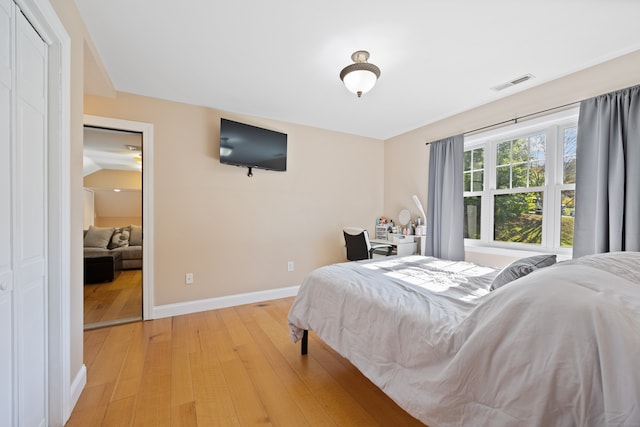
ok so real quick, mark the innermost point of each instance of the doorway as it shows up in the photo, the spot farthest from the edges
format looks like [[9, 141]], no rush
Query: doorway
[[112, 203], [120, 291]]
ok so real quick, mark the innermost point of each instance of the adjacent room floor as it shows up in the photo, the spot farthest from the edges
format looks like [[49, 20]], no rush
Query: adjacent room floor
[[114, 302]]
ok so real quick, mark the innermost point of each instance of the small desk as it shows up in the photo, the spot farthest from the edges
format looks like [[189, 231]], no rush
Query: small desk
[[402, 248]]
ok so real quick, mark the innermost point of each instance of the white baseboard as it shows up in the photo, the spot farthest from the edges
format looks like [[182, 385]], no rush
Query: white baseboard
[[77, 385], [188, 307]]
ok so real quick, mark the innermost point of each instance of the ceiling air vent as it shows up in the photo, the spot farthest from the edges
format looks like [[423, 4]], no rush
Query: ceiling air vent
[[513, 82]]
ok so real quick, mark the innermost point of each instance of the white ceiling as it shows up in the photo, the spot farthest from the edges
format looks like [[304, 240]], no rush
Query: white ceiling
[[109, 149], [281, 59]]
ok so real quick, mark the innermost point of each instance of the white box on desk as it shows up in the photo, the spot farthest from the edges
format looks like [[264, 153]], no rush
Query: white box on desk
[[401, 238]]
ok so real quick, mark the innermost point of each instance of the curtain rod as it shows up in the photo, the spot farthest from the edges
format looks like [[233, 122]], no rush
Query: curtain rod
[[515, 119]]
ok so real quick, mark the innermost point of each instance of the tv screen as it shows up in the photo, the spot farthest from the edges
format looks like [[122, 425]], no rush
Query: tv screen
[[253, 147]]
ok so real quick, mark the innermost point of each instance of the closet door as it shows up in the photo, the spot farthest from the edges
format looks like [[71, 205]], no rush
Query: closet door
[[30, 224], [6, 277], [23, 226]]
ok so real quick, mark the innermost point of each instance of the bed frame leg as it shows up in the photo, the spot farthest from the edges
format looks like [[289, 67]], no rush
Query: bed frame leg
[[305, 343]]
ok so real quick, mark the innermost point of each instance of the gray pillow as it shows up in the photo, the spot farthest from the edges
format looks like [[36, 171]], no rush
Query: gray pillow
[[98, 237], [120, 238], [521, 268], [135, 239]]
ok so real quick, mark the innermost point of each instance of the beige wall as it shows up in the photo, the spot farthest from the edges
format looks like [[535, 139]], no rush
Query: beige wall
[[117, 221], [407, 157], [116, 209], [235, 233], [109, 179]]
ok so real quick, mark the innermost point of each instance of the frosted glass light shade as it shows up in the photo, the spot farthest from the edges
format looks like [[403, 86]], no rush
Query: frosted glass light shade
[[361, 76], [360, 81]]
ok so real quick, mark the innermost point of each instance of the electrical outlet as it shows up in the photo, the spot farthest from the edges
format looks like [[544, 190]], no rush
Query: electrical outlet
[[188, 279], [290, 266]]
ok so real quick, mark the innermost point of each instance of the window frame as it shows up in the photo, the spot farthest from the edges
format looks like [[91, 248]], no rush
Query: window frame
[[552, 125]]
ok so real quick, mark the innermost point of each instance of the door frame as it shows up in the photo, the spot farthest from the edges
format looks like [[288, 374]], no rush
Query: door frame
[[146, 129]]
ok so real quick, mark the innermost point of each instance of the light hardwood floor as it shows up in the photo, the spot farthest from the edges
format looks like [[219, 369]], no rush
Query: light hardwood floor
[[229, 367], [107, 302]]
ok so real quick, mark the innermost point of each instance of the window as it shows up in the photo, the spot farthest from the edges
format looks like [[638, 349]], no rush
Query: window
[[519, 184]]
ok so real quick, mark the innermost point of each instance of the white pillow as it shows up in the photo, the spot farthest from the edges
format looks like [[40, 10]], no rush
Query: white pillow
[[120, 238]]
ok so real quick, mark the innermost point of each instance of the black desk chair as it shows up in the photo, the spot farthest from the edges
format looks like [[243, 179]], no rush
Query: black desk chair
[[358, 245]]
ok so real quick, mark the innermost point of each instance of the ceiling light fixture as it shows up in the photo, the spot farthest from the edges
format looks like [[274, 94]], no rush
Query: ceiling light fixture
[[361, 76]]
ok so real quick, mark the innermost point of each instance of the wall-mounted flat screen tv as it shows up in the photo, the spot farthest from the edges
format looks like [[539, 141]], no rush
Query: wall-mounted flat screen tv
[[252, 147]]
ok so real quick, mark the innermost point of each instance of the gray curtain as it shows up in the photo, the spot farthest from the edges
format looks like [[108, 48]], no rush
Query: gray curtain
[[608, 174], [445, 205]]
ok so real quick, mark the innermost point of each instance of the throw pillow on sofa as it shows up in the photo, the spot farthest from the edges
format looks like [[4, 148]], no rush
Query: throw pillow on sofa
[[120, 238], [98, 237], [135, 239]]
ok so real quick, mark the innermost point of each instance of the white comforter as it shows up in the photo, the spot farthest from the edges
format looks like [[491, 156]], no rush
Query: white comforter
[[559, 347]]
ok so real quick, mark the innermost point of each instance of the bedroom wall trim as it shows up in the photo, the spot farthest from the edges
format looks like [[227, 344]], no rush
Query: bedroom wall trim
[[188, 307], [78, 383]]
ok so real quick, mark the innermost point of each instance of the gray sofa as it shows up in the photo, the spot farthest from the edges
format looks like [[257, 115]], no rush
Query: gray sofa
[[104, 241]]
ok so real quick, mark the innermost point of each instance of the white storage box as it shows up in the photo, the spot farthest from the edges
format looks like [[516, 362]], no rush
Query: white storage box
[[401, 238]]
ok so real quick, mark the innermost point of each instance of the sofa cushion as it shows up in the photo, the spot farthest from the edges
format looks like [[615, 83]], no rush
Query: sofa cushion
[[98, 237], [120, 238], [135, 238], [96, 252], [130, 252]]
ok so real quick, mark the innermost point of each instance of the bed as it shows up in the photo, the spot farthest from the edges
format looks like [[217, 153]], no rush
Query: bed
[[557, 347]]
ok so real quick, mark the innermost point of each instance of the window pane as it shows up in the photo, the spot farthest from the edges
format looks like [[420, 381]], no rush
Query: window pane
[[472, 208], [569, 156], [467, 181], [536, 174], [569, 167], [570, 138], [519, 175], [478, 181], [474, 170], [518, 218], [537, 147], [567, 214], [503, 177], [504, 153], [520, 150], [478, 158]]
